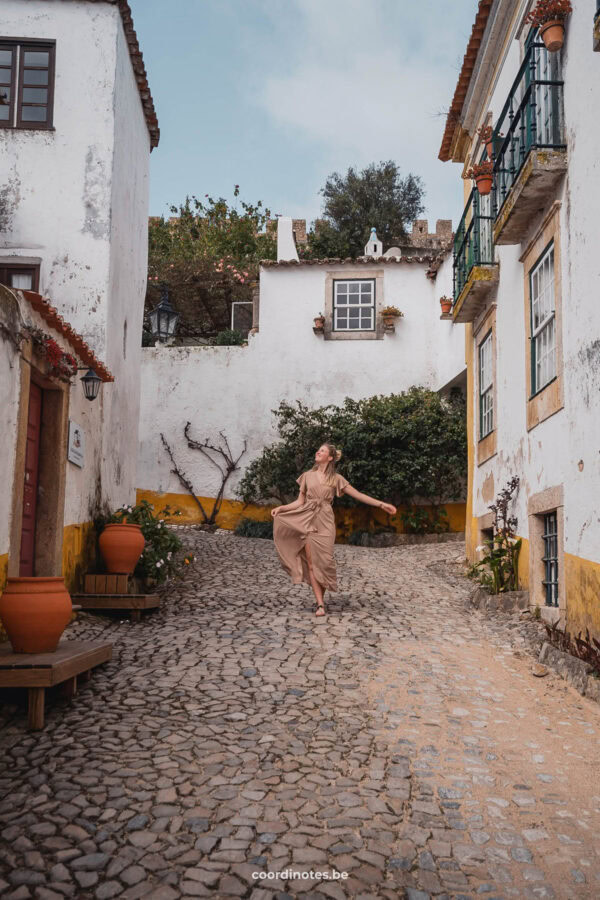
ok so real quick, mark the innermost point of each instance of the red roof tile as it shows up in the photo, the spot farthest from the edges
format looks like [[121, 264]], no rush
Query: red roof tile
[[58, 324], [464, 78]]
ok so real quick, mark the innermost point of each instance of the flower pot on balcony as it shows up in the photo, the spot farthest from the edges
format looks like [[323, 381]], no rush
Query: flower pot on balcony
[[446, 305], [484, 184], [553, 34], [35, 612], [121, 546], [320, 322]]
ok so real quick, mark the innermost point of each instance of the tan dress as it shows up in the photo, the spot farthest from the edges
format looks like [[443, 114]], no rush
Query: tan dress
[[312, 523]]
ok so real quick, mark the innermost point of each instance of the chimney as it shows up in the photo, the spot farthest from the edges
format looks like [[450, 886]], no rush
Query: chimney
[[373, 247], [286, 247]]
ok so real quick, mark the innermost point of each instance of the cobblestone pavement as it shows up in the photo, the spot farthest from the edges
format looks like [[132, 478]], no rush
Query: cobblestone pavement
[[403, 741]]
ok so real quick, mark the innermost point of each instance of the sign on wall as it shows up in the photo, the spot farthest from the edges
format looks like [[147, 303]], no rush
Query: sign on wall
[[76, 448]]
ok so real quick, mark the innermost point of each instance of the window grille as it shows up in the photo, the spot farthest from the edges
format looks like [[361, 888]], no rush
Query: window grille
[[486, 392], [543, 324], [550, 558], [354, 305]]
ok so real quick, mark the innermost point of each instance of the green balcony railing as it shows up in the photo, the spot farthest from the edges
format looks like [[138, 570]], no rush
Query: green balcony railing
[[532, 118], [473, 242]]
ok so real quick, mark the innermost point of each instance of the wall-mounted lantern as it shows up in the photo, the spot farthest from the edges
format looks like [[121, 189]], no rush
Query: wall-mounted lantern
[[91, 384], [163, 318]]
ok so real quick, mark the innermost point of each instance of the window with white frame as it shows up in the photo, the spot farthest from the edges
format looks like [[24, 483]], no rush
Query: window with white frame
[[354, 305], [543, 323], [486, 387]]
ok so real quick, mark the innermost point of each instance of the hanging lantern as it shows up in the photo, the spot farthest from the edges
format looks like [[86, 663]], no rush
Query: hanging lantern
[[91, 384], [163, 318]]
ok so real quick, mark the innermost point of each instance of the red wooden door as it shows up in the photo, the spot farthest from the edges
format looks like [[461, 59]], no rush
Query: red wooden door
[[30, 487]]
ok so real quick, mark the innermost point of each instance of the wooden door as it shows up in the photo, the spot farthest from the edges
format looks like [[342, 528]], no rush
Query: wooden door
[[30, 486]]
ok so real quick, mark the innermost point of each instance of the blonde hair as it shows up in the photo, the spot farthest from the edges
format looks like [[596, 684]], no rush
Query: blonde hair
[[330, 470]]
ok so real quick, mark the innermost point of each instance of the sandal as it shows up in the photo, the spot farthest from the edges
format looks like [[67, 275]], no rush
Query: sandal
[[320, 606]]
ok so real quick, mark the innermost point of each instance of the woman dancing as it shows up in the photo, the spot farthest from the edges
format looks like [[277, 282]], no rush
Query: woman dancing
[[304, 531]]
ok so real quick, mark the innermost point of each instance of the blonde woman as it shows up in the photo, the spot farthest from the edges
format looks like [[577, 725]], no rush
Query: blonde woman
[[304, 531]]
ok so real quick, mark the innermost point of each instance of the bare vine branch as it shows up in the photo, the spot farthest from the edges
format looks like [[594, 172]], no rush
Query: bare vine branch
[[183, 478]]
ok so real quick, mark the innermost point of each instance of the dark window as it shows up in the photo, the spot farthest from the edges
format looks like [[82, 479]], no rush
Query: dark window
[[26, 83], [20, 276], [550, 558]]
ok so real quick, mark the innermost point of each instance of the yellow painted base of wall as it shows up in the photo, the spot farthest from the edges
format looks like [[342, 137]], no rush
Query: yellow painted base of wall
[[3, 569], [582, 583], [347, 519], [79, 553]]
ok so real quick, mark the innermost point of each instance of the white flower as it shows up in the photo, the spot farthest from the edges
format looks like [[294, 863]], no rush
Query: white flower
[[169, 555], [479, 549], [158, 565], [129, 509]]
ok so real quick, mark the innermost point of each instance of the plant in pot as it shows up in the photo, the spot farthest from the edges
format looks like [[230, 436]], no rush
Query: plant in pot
[[446, 304], [483, 175], [549, 17], [390, 314], [35, 612], [319, 322], [121, 541], [485, 136]]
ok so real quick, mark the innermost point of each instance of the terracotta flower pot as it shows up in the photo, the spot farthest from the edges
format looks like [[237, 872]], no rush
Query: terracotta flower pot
[[484, 184], [389, 320], [446, 306], [35, 612], [320, 322], [121, 546], [553, 34]]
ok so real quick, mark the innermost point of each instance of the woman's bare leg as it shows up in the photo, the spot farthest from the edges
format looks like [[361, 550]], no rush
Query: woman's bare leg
[[318, 589]]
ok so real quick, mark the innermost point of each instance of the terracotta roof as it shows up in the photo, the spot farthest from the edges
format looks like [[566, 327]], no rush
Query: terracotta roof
[[464, 78], [139, 70], [50, 315], [349, 261]]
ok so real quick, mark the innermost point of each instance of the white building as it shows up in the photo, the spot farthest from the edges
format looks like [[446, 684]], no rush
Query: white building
[[77, 125], [527, 283], [289, 357]]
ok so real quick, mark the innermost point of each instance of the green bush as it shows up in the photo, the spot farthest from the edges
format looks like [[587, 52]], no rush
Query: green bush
[[229, 338], [425, 520], [251, 528], [399, 448]]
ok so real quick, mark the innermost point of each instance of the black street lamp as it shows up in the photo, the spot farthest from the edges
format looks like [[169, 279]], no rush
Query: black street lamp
[[91, 384], [163, 317]]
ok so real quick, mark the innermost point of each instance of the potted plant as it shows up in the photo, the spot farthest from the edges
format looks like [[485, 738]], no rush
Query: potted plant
[[319, 322], [485, 135], [550, 16], [121, 542], [483, 174], [446, 304], [35, 612], [390, 313]]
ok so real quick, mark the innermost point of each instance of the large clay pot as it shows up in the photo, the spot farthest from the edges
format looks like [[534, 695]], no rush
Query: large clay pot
[[121, 546], [553, 34], [35, 612]]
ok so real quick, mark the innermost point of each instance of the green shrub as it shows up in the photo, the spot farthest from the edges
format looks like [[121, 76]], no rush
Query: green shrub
[[251, 528], [425, 520], [230, 338]]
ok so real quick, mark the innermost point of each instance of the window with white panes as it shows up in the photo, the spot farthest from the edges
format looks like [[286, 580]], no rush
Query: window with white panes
[[486, 387], [543, 322], [354, 305]]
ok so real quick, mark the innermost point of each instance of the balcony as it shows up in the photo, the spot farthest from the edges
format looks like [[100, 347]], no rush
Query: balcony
[[475, 273], [597, 28], [530, 153]]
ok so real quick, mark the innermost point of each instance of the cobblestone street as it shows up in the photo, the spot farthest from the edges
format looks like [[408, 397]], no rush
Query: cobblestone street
[[401, 740]]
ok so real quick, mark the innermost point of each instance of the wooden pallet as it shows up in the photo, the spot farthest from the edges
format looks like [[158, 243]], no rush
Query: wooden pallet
[[133, 603], [38, 671]]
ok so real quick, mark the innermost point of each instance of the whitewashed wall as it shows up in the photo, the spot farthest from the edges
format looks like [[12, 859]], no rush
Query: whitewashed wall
[[550, 453], [76, 199], [235, 389]]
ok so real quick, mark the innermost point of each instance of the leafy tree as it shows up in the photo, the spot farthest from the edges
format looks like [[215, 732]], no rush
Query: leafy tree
[[355, 202], [208, 255], [401, 447]]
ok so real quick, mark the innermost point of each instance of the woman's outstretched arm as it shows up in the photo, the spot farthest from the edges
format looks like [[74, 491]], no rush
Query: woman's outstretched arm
[[370, 501]]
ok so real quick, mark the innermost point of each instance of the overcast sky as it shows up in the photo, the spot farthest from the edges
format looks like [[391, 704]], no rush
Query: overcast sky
[[274, 95]]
